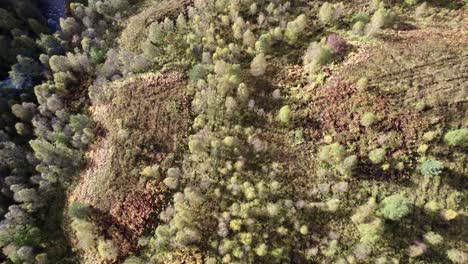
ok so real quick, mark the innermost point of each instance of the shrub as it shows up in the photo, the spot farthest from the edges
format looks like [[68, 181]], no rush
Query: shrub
[[284, 115], [26, 196], [358, 28], [49, 44], [79, 122], [23, 129], [24, 111], [316, 56], [261, 250], [97, 55], [430, 136], [376, 4], [171, 182], [329, 13], [417, 250], [295, 28], [249, 39], [78, 210], [59, 63], [368, 119], [433, 238], [349, 165], [457, 256], [264, 43], [86, 233], [449, 214], [258, 65], [421, 10], [394, 207], [332, 154], [198, 72], [107, 250], [377, 156], [431, 168], [133, 260], [151, 172], [371, 232], [25, 73], [458, 138], [360, 17], [411, 2], [379, 20]]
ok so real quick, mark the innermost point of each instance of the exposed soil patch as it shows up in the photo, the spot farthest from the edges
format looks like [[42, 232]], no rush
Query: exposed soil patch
[[139, 126]]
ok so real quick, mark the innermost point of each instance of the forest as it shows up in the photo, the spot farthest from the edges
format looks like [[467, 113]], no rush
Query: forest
[[233, 131]]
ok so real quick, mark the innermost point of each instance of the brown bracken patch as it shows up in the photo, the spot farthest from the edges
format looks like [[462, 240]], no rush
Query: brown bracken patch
[[140, 124]]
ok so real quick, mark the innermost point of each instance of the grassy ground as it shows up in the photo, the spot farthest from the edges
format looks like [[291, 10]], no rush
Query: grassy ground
[[141, 125], [420, 62]]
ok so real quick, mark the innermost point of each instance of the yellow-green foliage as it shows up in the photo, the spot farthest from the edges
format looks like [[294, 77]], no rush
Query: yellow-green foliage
[[86, 234], [457, 256], [295, 28], [332, 154], [316, 56], [377, 155], [368, 119], [458, 138], [381, 18], [258, 65], [151, 172], [330, 13], [394, 207], [433, 238], [430, 168], [107, 250], [285, 114]]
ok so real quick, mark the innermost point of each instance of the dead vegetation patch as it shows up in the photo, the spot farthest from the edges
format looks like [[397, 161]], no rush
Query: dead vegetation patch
[[140, 125]]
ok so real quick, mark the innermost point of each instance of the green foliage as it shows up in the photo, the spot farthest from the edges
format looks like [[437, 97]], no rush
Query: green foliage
[[457, 256], [332, 154], [431, 168], [78, 210], [198, 72], [86, 234], [24, 111], [151, 172], [348, 166], [421, 10], [284, 114], [368, 119], [457, 138], [97, 56], [79, 122], [433, 239], [133, 260], [381, 18], [330, 13], [316, 56], [25, 73], [258, 65], [107, 250], [55, 154], [377, 156], [394, 207], [295, 28], [411, 2]]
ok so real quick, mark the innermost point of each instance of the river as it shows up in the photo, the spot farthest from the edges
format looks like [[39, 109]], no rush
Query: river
[[53, 10]]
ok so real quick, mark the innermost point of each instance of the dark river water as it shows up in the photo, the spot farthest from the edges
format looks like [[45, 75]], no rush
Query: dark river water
[[53, 10]]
